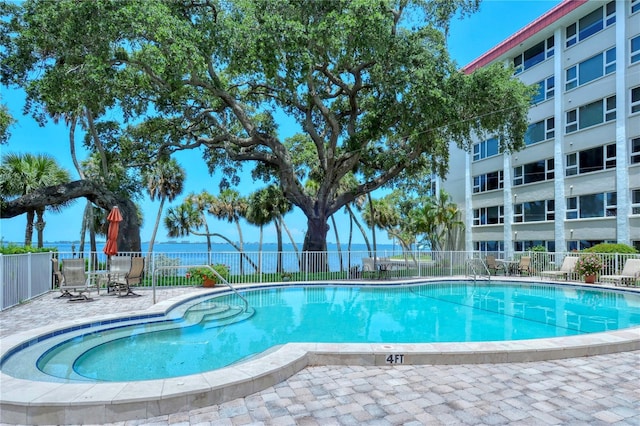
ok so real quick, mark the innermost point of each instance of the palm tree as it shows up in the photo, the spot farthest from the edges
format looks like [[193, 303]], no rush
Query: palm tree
[[21, 174], [180, 221], [270, 205], [230, 206], [164, 181], [201, 202], [439, 220]]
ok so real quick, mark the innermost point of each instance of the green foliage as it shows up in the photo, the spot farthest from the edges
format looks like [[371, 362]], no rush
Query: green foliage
[[204, 272], [538, 249], [16, 249], [6, 121], [611, 248], [370, 84]]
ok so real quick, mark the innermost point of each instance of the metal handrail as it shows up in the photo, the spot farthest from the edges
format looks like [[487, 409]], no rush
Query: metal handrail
[[473, 262], [220, 277]]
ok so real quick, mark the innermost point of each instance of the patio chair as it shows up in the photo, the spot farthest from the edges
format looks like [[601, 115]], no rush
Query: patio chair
[[56, 274], [567, 268], [119, 267], [74, 280], [122, 283], [524, 265], [493, 266], [629, 276]]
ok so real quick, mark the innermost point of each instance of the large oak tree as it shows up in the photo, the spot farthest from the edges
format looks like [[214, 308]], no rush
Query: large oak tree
[[369, 82]]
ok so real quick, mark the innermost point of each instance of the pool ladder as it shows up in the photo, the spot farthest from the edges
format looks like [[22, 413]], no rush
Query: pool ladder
[[477, 268]]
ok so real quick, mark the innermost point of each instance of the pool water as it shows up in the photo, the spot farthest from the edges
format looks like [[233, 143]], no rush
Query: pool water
[[203, 339]]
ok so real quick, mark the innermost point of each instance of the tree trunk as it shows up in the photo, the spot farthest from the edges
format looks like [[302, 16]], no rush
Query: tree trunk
[[315, 245], [28, 232], [40, 227]]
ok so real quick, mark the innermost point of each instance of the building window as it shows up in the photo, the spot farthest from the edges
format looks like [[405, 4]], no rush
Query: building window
[[635, 151], [529, 244], [597, 112], [488, 215], [594, 22], [635, 6], [488, 181], [574, 245], [595, 67], [635, 201], [546, 90], [540, 131], [534, 55], [591, 160], [534, 211], [592, 205], [635, 100], [533, 172], [486, 149], [635, 49], [494, 246]]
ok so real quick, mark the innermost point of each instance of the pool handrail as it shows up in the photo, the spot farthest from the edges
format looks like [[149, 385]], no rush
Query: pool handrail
[[473, 262], [220, 278]]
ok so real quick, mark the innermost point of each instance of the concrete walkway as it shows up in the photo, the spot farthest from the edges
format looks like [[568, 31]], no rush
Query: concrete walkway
[[597, 390]]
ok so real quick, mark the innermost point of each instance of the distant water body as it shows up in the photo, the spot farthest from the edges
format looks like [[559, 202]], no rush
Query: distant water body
[[219, 247], [196, 253]]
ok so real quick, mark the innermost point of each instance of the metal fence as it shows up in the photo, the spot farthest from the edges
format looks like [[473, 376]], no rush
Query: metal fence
[[24, 276], [30, 275]]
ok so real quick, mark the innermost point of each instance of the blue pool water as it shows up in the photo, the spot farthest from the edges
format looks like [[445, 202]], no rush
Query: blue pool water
[[207, 334]]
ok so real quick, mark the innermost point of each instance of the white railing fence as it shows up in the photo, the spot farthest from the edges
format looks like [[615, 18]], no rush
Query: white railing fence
[[24, 276], [30, 275]]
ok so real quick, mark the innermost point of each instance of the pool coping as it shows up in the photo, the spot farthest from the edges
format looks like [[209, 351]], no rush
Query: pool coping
[[36, 402]]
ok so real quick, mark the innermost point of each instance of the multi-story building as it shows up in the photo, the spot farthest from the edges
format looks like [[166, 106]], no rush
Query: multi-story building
[[577, 181]]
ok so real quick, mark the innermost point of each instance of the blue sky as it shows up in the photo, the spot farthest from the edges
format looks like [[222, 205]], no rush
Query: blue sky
[[468, 39]]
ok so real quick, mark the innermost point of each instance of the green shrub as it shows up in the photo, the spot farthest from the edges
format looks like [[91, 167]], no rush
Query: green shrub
[[16, 249], [611, 248]]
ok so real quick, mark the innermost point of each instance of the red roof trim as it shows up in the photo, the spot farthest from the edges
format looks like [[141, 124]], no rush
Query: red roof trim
[[533, 28]]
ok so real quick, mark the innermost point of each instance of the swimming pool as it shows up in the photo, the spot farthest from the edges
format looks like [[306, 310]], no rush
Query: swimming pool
[[205, 334]]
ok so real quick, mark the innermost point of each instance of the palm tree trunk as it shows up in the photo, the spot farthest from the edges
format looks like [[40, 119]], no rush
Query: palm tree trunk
[[208, 234], [155, 228], [97, 142], [28, 232], [86, 215], [284, 226], [40, 226], [260, 249], [361, 228], [373, 231], [232, 244], [83, 228], [241, 246], [335, 230]]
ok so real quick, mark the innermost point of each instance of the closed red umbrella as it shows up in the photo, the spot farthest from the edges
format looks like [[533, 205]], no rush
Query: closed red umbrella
[[114, 219]]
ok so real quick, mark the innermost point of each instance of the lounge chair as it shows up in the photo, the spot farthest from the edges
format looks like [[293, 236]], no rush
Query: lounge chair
[[629, 276], [122, 283], [56, 273], [119, 267], [493, 266], [524, 265], [74, 280], [565, 271]]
